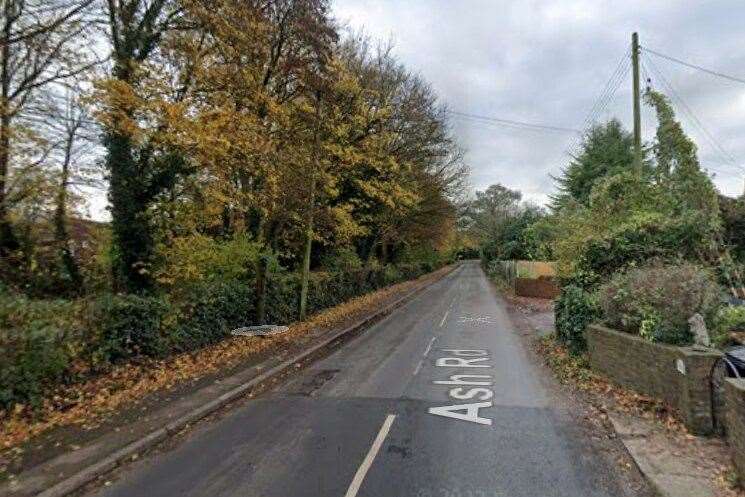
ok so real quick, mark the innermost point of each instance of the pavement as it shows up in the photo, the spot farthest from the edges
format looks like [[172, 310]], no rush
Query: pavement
[[674, 464], [439, 399]]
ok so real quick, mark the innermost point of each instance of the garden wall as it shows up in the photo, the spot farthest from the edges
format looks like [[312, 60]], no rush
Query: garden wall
[[679, 375], [734, 399], [530, 278], [543, 287]]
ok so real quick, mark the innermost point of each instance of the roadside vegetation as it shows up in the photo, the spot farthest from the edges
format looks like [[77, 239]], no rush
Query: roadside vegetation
[[640, 247], [261, 165]]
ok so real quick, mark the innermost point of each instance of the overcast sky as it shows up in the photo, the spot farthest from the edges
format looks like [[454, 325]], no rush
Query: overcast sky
[[546, 62]]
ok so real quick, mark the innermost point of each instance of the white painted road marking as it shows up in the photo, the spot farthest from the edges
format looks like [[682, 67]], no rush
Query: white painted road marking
[[418, 367], [354, 487], [429, 346], [444, 318], [465, 358]]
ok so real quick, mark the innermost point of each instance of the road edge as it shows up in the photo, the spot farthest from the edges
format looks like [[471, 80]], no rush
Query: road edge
[[153, 438]]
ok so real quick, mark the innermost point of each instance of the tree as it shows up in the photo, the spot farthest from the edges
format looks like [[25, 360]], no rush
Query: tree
[[488, 215], [669, 211], [42, 42], [74, 137], [408, 169], [138, 166], [607, 149], [677, 166], [732, 212]]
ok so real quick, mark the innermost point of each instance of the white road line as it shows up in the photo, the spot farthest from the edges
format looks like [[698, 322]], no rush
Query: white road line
[[429, 346], [444, 318], [418, 367], [354, 487]]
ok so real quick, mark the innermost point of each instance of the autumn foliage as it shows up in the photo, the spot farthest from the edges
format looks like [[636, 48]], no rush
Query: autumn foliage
[[240, 144]]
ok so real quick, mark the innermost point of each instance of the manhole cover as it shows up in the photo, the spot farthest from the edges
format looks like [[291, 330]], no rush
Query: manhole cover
[[259, 331]]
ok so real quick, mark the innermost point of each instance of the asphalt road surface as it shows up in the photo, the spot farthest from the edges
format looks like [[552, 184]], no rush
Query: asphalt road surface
[[440, 399]]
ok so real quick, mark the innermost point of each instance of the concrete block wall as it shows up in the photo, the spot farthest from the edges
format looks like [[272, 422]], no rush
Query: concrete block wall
[[679, 375]]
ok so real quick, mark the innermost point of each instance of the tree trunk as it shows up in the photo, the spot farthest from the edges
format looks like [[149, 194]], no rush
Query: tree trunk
[[305, 281], [261, 274], [62, 234], [8, 241], [133, 242]]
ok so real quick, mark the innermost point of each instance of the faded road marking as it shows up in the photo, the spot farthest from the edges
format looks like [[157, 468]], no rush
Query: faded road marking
[[354, 487], [444, 318], [418, 367], [429, 346]]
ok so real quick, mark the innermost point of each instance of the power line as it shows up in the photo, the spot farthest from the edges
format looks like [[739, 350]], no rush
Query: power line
[[606, 96], [694, 66], [513, 123]]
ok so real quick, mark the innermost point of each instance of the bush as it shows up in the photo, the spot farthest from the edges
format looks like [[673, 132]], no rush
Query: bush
[[129, 326], [210, 312], [727, 320], [656, 301], [342, 259], [194, 259], [38, 340], [575, 309]]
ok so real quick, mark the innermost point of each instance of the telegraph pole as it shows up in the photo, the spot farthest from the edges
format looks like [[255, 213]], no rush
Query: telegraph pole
[[637, 103]]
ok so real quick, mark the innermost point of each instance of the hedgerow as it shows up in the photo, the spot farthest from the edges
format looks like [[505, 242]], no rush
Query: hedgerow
[[42, 342]]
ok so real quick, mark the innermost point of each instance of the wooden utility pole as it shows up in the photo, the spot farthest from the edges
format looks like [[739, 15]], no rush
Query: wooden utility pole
[[637, 103]]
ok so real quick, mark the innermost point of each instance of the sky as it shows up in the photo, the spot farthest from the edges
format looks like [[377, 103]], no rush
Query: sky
[[547, 62]]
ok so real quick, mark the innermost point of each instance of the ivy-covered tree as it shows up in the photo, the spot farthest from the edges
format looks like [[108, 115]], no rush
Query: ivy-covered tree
[[139, 166]]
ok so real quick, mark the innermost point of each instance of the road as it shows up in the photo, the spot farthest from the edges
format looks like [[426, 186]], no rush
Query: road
[[441, 399]]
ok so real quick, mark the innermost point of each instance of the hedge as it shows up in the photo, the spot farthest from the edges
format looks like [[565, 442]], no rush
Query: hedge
[[40, 340]]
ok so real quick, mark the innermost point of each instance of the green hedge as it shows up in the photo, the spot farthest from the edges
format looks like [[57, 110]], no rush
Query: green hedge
[[574, 310], [39, 340]]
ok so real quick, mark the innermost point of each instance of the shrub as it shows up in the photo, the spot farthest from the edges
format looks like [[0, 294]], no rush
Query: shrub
[[210, 312], [38, 340], [129, 326], [728, 319], [575, 309], [657, 300], [342, 259], [194, 259]]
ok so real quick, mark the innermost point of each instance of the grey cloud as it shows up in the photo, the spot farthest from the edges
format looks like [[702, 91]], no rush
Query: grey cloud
[[546, 62]]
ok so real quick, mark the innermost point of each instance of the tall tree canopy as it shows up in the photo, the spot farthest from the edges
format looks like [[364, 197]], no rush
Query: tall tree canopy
[[251, 120], [606, 149]]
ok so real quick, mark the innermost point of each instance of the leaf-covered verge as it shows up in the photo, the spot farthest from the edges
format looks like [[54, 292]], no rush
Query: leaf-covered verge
[[668, 433], [89, 403]]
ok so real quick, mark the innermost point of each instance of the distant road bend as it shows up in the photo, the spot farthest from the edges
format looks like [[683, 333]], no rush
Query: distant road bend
[[440, 399]]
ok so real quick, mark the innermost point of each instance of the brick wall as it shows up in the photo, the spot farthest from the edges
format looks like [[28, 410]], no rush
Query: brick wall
[[734, 395], [679, 375]]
